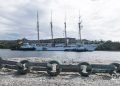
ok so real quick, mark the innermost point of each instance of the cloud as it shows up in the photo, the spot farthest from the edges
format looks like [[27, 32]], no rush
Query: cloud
[[100, 18]]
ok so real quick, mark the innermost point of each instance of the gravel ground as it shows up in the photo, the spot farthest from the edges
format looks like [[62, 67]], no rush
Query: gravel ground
[[10, 78]]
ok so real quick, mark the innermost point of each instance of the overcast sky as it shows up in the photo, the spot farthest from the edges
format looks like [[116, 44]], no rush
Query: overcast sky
[[100, 18]]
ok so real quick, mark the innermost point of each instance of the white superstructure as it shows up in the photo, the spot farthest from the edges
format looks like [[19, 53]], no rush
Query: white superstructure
[[26, 45]]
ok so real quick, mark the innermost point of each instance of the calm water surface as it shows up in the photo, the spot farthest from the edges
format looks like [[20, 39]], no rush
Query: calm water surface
[[61, 55]]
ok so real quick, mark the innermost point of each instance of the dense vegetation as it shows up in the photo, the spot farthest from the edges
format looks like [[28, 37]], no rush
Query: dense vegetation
[[109, 45], [8, 44]]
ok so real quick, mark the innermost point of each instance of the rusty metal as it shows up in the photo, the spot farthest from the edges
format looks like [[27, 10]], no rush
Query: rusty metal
[[10, 66], [23, 67], [34, 68], [69, 68], [101, 68], [38, 64], [53, 68]]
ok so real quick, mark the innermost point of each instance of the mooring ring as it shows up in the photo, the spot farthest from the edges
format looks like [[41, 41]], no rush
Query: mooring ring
[[23, 67], [85, 69], [53, 68]]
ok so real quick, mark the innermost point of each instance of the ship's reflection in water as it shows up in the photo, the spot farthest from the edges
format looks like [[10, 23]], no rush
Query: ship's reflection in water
[[61, 55]]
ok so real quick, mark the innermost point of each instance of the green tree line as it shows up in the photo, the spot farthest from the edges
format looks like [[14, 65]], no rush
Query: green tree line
[[109, 45], [101, 45]]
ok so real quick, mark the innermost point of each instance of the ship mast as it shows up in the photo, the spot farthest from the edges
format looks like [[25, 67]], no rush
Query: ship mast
[[79, 25], [65, 32], [51, 25], [38, 25]]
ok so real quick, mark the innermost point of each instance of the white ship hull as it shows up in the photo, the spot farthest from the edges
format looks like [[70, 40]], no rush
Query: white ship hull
[[75, 47], [83, 48]]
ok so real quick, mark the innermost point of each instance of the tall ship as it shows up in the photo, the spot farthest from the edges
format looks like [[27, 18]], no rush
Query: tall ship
[[77, 47]]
